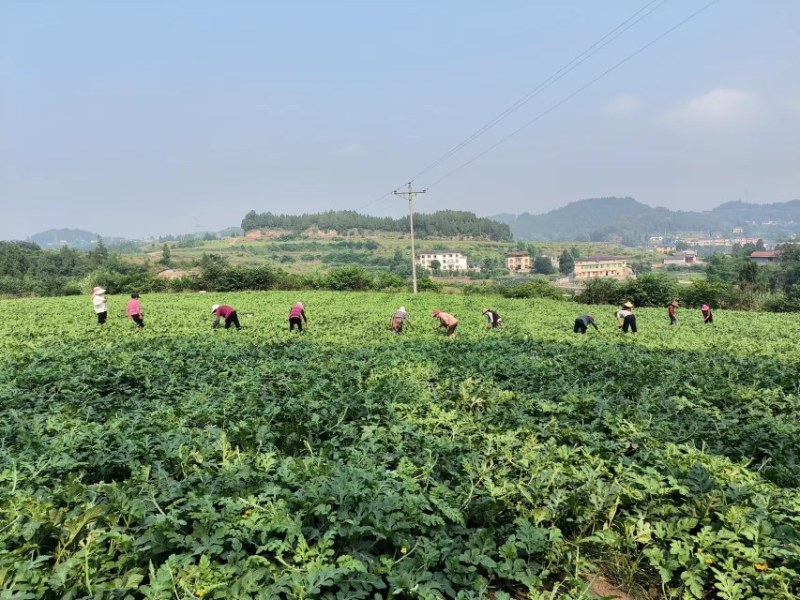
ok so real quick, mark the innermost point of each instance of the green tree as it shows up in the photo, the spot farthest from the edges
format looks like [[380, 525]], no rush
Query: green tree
[[651, 289], [566, 262], [166, 256], [748, 275], [602, 291], [543, 265], [435, 266], [575, 252], [99, 256]]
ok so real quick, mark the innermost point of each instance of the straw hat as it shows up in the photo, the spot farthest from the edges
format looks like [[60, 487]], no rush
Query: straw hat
[[214, 308], [98, 290], [628, 305]]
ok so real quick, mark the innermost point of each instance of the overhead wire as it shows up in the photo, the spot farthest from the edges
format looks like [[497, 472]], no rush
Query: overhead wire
[[567, 98], [573, 64], [590, 51]]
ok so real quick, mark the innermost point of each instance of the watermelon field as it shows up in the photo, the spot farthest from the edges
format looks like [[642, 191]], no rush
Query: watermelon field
[[183, 462]]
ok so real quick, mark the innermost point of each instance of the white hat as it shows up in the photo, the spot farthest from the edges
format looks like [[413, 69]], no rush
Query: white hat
[[98, 290], [214, 308], [402, 309]]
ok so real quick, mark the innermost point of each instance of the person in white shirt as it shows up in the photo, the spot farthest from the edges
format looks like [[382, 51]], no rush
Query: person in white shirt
[[100, 305], [625, 318]]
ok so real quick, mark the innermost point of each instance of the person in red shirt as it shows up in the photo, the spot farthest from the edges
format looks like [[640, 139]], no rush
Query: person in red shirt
[[223, 311], [673, 319], [707, 316]]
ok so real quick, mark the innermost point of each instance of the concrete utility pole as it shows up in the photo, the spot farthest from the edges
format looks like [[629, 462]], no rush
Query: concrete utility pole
[[410, 196]]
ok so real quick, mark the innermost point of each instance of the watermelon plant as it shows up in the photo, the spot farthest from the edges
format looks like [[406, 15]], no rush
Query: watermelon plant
[[179, 461]]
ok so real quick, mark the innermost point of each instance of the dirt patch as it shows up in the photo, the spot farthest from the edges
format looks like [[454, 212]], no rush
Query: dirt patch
[[600, 588]]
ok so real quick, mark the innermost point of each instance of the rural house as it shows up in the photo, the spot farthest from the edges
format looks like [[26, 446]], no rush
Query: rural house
[[600, 265], [449, 260], [518, 262], [681, 259], [765, 257]]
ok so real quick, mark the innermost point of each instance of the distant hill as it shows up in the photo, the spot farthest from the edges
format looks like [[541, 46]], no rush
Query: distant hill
[[630, 222], [78, 239]]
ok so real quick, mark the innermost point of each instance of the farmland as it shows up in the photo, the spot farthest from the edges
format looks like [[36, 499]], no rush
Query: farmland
[[181, 462]]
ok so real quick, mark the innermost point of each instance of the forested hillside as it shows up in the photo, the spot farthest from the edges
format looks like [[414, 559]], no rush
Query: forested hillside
[[445, 223], [631, 222], [74, 238]]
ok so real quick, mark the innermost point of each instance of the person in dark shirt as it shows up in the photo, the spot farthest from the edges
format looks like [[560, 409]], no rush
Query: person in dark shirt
[[582, 323]]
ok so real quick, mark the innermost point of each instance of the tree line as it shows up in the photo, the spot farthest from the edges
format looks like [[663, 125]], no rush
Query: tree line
[[445, 223]]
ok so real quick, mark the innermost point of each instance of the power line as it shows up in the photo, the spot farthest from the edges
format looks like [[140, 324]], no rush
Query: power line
[[574, 93], [609, 37], [371, 202], [559, 74]]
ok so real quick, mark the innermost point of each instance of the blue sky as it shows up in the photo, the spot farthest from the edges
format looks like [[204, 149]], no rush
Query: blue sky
[[142, 118]]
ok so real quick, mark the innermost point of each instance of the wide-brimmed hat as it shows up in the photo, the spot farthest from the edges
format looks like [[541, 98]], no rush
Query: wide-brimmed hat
[[214, 308], [705, 306], [98, 290], [484, 310], [628, 305], [436, 312], [401, 309], [674, 303]]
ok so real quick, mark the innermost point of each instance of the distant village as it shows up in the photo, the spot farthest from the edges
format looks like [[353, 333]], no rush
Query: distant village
[[679, 252]]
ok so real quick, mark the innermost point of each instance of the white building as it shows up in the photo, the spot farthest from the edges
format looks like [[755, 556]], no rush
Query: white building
[[449, 260]]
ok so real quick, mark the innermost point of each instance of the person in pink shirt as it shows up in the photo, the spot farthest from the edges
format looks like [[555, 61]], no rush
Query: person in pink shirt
[[134, 310], [223, 311], [297, 316], [447, 321]]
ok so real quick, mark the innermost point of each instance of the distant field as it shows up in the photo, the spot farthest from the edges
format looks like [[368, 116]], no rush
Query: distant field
[[310, 254], [181, 462]]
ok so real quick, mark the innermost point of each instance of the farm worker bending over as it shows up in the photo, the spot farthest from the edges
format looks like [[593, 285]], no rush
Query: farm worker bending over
[[100, 304], [673, 320], [297, 316], [223, 311], [706, 310], [399, 318], [625, 318], [447, 321], [134, 310], [582, 323], [493, 320]]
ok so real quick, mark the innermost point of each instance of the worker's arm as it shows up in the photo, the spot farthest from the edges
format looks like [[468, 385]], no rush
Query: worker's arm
[[303, 313], [593, 324], [216, 323]]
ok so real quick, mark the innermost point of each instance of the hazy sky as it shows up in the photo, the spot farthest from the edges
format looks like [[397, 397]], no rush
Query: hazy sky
[[148, 117]]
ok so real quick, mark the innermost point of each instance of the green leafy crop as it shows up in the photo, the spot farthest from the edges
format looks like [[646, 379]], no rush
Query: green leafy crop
[[344, 462]]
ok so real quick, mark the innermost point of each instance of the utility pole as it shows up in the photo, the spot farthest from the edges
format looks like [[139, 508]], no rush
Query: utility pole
[[410, 196]]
